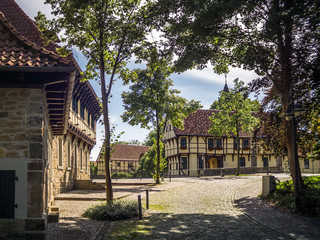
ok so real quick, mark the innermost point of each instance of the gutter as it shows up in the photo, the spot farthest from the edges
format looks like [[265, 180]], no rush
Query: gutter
[[68, 98], [37, 69]]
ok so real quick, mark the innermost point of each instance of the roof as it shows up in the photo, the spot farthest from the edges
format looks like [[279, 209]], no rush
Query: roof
[[23, 49], [128, 152], [199, 124], [21, 42]]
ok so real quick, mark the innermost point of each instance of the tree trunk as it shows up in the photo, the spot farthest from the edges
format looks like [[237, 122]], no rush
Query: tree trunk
[[158, 151], [109, 192], [238, 153]]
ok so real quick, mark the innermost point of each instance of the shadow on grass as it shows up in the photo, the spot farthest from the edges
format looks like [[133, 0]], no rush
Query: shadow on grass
[[191, 226]]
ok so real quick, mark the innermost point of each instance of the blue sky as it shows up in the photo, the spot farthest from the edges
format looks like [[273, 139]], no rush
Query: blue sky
[[203, 86]]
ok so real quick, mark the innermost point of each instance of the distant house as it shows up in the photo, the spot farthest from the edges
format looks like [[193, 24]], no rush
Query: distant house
[[48, 124], [193, 150], [125, 158]]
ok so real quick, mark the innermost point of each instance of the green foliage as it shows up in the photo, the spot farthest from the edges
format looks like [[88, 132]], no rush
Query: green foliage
[[147, 165], [122, 175], [107, 33], [151, 102], [113, 211], [310, 198], [93, 168], [235, 113]]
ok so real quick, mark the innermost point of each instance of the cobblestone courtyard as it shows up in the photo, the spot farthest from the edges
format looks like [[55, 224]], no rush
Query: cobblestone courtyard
[[206, 208]]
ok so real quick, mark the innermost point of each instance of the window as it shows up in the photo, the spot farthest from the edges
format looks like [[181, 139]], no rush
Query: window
[[235, 144], [184, 162], [242, 161], [306, 163], [81, 111], [86, 160], [210, 143], [265, 161], [245, 143], [60, 151], [80, 153], [219, 143], [183, 143], [68, 154], [75, 154], [118, 164], [92, 122], [200, 160]]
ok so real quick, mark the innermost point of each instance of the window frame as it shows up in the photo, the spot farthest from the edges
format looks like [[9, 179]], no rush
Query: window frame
[[183, 144], [242, 161], [60, 152], [184, 163], [68, 155]]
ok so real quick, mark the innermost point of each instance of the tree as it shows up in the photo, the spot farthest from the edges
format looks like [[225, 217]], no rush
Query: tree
[[151, 102], [278, 39], [93, 168], [234, 115], [149, 140], [106, 32], [148, 163]]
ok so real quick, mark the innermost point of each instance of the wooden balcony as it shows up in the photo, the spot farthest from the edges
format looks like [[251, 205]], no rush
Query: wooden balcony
[[81, 125]]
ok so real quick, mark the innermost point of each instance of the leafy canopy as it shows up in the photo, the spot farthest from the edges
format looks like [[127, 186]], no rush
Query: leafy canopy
[[234, 113]]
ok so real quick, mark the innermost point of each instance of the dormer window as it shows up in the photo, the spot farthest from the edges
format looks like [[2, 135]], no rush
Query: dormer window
[[183, 143]]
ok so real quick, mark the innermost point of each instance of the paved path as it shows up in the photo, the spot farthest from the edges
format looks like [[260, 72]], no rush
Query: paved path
[[200, 209], [191, 208]]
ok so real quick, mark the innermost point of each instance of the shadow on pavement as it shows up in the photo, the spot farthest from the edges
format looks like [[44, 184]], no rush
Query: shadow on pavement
[[298, 227], [191, 226]]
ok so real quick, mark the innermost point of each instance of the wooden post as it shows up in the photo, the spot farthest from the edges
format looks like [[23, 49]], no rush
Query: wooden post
[[147, 199], [140, 208]]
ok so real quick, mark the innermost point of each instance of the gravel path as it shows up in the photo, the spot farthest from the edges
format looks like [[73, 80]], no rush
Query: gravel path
[[199, 209]]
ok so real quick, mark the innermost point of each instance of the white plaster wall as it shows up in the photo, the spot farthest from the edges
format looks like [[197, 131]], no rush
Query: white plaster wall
[[20, 166]]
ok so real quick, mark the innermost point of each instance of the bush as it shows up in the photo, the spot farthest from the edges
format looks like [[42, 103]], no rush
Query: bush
[[113, 211], [120, 175], [310, 196]]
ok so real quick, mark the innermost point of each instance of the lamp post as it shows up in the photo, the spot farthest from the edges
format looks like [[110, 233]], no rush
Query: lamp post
[[290, 115]]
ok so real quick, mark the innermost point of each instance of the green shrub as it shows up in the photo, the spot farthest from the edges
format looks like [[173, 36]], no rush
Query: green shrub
[[113, 211], [120, 175], [310, 196]]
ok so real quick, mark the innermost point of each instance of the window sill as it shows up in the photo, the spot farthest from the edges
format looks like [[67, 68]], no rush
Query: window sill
[[60, 167], [69, 168], [183, 147], [81, 171]]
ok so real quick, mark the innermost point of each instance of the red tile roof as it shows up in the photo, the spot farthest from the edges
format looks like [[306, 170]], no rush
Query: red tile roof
[[21, 42], [199, 124], [128, 152]]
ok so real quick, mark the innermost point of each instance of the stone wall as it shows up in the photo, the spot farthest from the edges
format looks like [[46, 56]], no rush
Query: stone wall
[[21, 147], [64, 175]]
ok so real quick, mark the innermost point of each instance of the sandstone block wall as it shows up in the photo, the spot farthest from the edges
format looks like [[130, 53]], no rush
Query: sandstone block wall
[[21, 146]]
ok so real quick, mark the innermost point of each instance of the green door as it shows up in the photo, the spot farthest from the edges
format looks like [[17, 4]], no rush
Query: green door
[[7, 189]]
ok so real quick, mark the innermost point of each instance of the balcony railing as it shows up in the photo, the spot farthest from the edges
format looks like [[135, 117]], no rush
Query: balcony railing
[[81, 124]]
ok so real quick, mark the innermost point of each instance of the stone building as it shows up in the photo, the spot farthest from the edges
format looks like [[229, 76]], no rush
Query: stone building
[[124, 158], [47, 119]]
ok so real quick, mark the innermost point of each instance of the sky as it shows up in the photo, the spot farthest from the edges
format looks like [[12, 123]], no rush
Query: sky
[[200, 85]]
